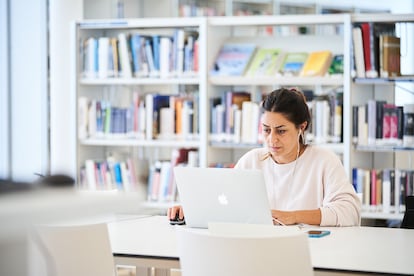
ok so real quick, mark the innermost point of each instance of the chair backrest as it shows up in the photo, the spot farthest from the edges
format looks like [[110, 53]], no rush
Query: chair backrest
[[408, 220], [252, 252], [76, 249]]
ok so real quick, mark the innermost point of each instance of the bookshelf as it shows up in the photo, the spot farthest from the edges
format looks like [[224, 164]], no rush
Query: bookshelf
[[235, 29], [144, 140], [263, 31], [267, 7], [389, 159]]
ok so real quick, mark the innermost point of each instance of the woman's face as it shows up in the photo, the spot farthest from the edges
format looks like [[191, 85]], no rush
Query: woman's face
[[280, 136]]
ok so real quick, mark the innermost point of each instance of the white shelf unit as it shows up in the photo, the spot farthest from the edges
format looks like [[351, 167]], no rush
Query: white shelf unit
[[269, 7], [119, 91], [213, 32], [236, 29], [376, 156]]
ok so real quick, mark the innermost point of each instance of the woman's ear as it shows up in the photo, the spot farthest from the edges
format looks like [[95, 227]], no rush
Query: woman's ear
[[303, 126]]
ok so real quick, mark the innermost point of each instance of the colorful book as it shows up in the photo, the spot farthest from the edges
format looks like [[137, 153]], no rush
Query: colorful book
[[337, 65], [233, 59], [266, 62], [317, 63], [293, 63]]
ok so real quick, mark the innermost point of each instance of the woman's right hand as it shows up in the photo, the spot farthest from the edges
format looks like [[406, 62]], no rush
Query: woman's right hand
[[174, 210]]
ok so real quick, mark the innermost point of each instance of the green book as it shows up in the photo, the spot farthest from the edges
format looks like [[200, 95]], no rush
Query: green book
[[293, 63], [266, 62]]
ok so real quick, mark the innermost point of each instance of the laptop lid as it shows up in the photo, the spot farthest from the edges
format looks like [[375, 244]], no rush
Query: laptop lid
[[222, 195]]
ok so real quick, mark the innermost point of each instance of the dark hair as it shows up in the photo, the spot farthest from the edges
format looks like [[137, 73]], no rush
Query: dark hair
[[289, 102]]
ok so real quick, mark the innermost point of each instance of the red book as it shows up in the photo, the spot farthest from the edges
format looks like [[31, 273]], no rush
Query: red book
[[368, 44], [373, 187]]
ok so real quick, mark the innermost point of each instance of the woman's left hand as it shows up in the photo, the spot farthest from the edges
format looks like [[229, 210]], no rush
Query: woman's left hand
[[284, 217]]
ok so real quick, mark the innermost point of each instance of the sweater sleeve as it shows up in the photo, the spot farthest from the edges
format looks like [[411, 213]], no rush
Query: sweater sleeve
[[341, 205]]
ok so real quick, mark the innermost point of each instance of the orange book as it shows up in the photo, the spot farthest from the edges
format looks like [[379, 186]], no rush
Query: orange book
[[178, 115], [317, 64]]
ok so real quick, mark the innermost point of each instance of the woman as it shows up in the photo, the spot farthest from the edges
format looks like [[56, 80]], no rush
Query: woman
[[305, 184]]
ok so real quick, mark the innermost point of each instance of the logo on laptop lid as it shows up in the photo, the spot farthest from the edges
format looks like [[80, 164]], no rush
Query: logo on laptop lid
[[222, 199]]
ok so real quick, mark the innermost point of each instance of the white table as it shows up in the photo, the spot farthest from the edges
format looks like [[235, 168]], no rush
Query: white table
[[150, 242]]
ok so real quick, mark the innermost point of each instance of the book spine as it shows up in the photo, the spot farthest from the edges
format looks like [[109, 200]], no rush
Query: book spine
[[386, 191], [408, 135], [149, 110], [90, 174], [358, 52], [165, 57], [355, 121], [103, 54], [124, 53], [372, 121]]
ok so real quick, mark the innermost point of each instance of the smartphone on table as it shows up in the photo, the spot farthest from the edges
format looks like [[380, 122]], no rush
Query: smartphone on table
[[318, 233]]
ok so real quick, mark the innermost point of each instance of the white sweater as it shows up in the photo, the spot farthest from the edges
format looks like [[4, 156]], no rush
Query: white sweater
[[319, 181]]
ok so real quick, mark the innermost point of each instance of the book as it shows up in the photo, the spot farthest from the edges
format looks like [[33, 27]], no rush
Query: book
[[233, 101], [362, 125], [92, 118], [337, 65], [90, 59], [149, 117], [188, 68], [368, 47], [83, 117], [90, 169], [371, 106], [167, 125], [317, 64], [390, 123], [124, 55], [250, 122], [149, 51], [165, 60], [386, 191], [358, 52], [115, 56], [178, 52], [196, 54], [408, 129], [266, 62], [105, 66], [389, 56], [233, 59], [380, 29], [187, 127], [139, 62], [293, 63], [379, 110], [154, 179], [158, 102], [355, 124], [156, 51]]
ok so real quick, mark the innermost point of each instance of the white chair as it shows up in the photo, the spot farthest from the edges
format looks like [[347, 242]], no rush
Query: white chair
[[71, 250], [251, 250]]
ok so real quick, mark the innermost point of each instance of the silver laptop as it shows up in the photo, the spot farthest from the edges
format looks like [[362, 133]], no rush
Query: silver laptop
[[222, 195]]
